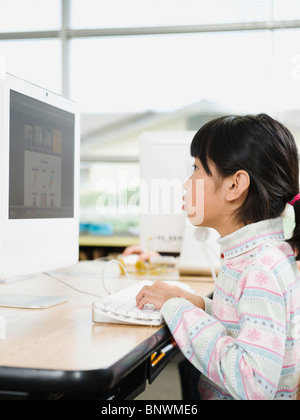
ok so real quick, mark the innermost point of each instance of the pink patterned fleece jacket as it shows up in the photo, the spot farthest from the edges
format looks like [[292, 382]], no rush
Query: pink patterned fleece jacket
[[247, 341]]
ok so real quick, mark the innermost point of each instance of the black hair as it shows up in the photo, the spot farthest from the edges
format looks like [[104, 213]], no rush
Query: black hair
[[267, 151]]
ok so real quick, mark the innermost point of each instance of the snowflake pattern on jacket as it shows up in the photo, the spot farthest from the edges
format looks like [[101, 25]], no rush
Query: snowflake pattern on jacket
[[246, 342]]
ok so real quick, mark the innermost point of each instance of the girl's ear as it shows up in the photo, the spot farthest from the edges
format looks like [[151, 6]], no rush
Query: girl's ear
[[238, 185]]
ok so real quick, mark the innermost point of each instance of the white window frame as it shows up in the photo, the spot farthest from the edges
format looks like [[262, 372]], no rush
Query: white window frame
[[65, 34]]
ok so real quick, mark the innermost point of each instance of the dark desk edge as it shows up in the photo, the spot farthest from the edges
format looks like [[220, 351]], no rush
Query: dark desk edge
[[90, 381]]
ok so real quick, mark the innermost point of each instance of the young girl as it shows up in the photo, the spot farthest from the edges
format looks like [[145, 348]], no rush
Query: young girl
[[245, 341]]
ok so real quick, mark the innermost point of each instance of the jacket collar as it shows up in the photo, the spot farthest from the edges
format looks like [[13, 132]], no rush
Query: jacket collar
[[251, 236]]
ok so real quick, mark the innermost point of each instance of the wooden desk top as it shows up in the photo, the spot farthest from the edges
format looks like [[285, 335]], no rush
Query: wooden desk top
[[64, 338], [117, 241]]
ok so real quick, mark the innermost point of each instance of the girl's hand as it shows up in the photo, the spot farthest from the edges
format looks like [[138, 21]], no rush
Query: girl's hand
[[159, 293]]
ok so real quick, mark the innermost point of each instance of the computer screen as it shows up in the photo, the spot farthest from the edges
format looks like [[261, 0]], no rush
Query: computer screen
[[39, 173], [41, 159]]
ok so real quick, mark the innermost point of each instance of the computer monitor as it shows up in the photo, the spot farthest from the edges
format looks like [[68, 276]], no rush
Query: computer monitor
[[39, 172], [165, 164]]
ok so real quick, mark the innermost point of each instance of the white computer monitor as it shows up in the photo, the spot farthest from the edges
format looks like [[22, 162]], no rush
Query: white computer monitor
[[39, 180], [165, 164]]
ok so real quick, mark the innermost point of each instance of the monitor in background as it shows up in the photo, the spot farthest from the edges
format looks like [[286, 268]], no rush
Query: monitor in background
[[165, 164], [39, 172]]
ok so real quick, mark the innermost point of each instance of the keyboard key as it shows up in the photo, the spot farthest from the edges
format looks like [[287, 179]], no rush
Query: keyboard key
[[121, 306]]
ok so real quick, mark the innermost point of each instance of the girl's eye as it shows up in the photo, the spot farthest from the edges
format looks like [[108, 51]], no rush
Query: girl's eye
[[195, 168]]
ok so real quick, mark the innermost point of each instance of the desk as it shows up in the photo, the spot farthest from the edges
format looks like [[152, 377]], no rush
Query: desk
[[60, 351], [92, 247], [108, 241]]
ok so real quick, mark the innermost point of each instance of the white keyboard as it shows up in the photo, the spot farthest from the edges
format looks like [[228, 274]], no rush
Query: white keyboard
[[120, 307]]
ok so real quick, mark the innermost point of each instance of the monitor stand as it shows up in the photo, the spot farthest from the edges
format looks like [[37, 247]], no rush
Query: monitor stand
[[30, 302], [18, 278], [27, 301]]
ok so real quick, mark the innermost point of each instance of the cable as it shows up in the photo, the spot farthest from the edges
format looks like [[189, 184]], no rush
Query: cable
[[71, 287], [102, 279]]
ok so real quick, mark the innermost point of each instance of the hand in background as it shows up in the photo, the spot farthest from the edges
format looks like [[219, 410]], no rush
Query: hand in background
[[143, 255]]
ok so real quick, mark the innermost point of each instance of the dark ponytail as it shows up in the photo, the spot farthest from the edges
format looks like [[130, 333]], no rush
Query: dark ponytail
[[264, 148], [295, 239]]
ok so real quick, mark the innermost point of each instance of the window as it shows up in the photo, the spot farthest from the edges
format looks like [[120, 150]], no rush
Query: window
[[141, 65], [286, 69], [38, 61], [29, 15], [166, 72], [286, 10], [142, 13], [109, 198]]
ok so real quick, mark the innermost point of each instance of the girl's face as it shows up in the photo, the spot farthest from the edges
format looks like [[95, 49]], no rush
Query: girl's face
[[204, 198]]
